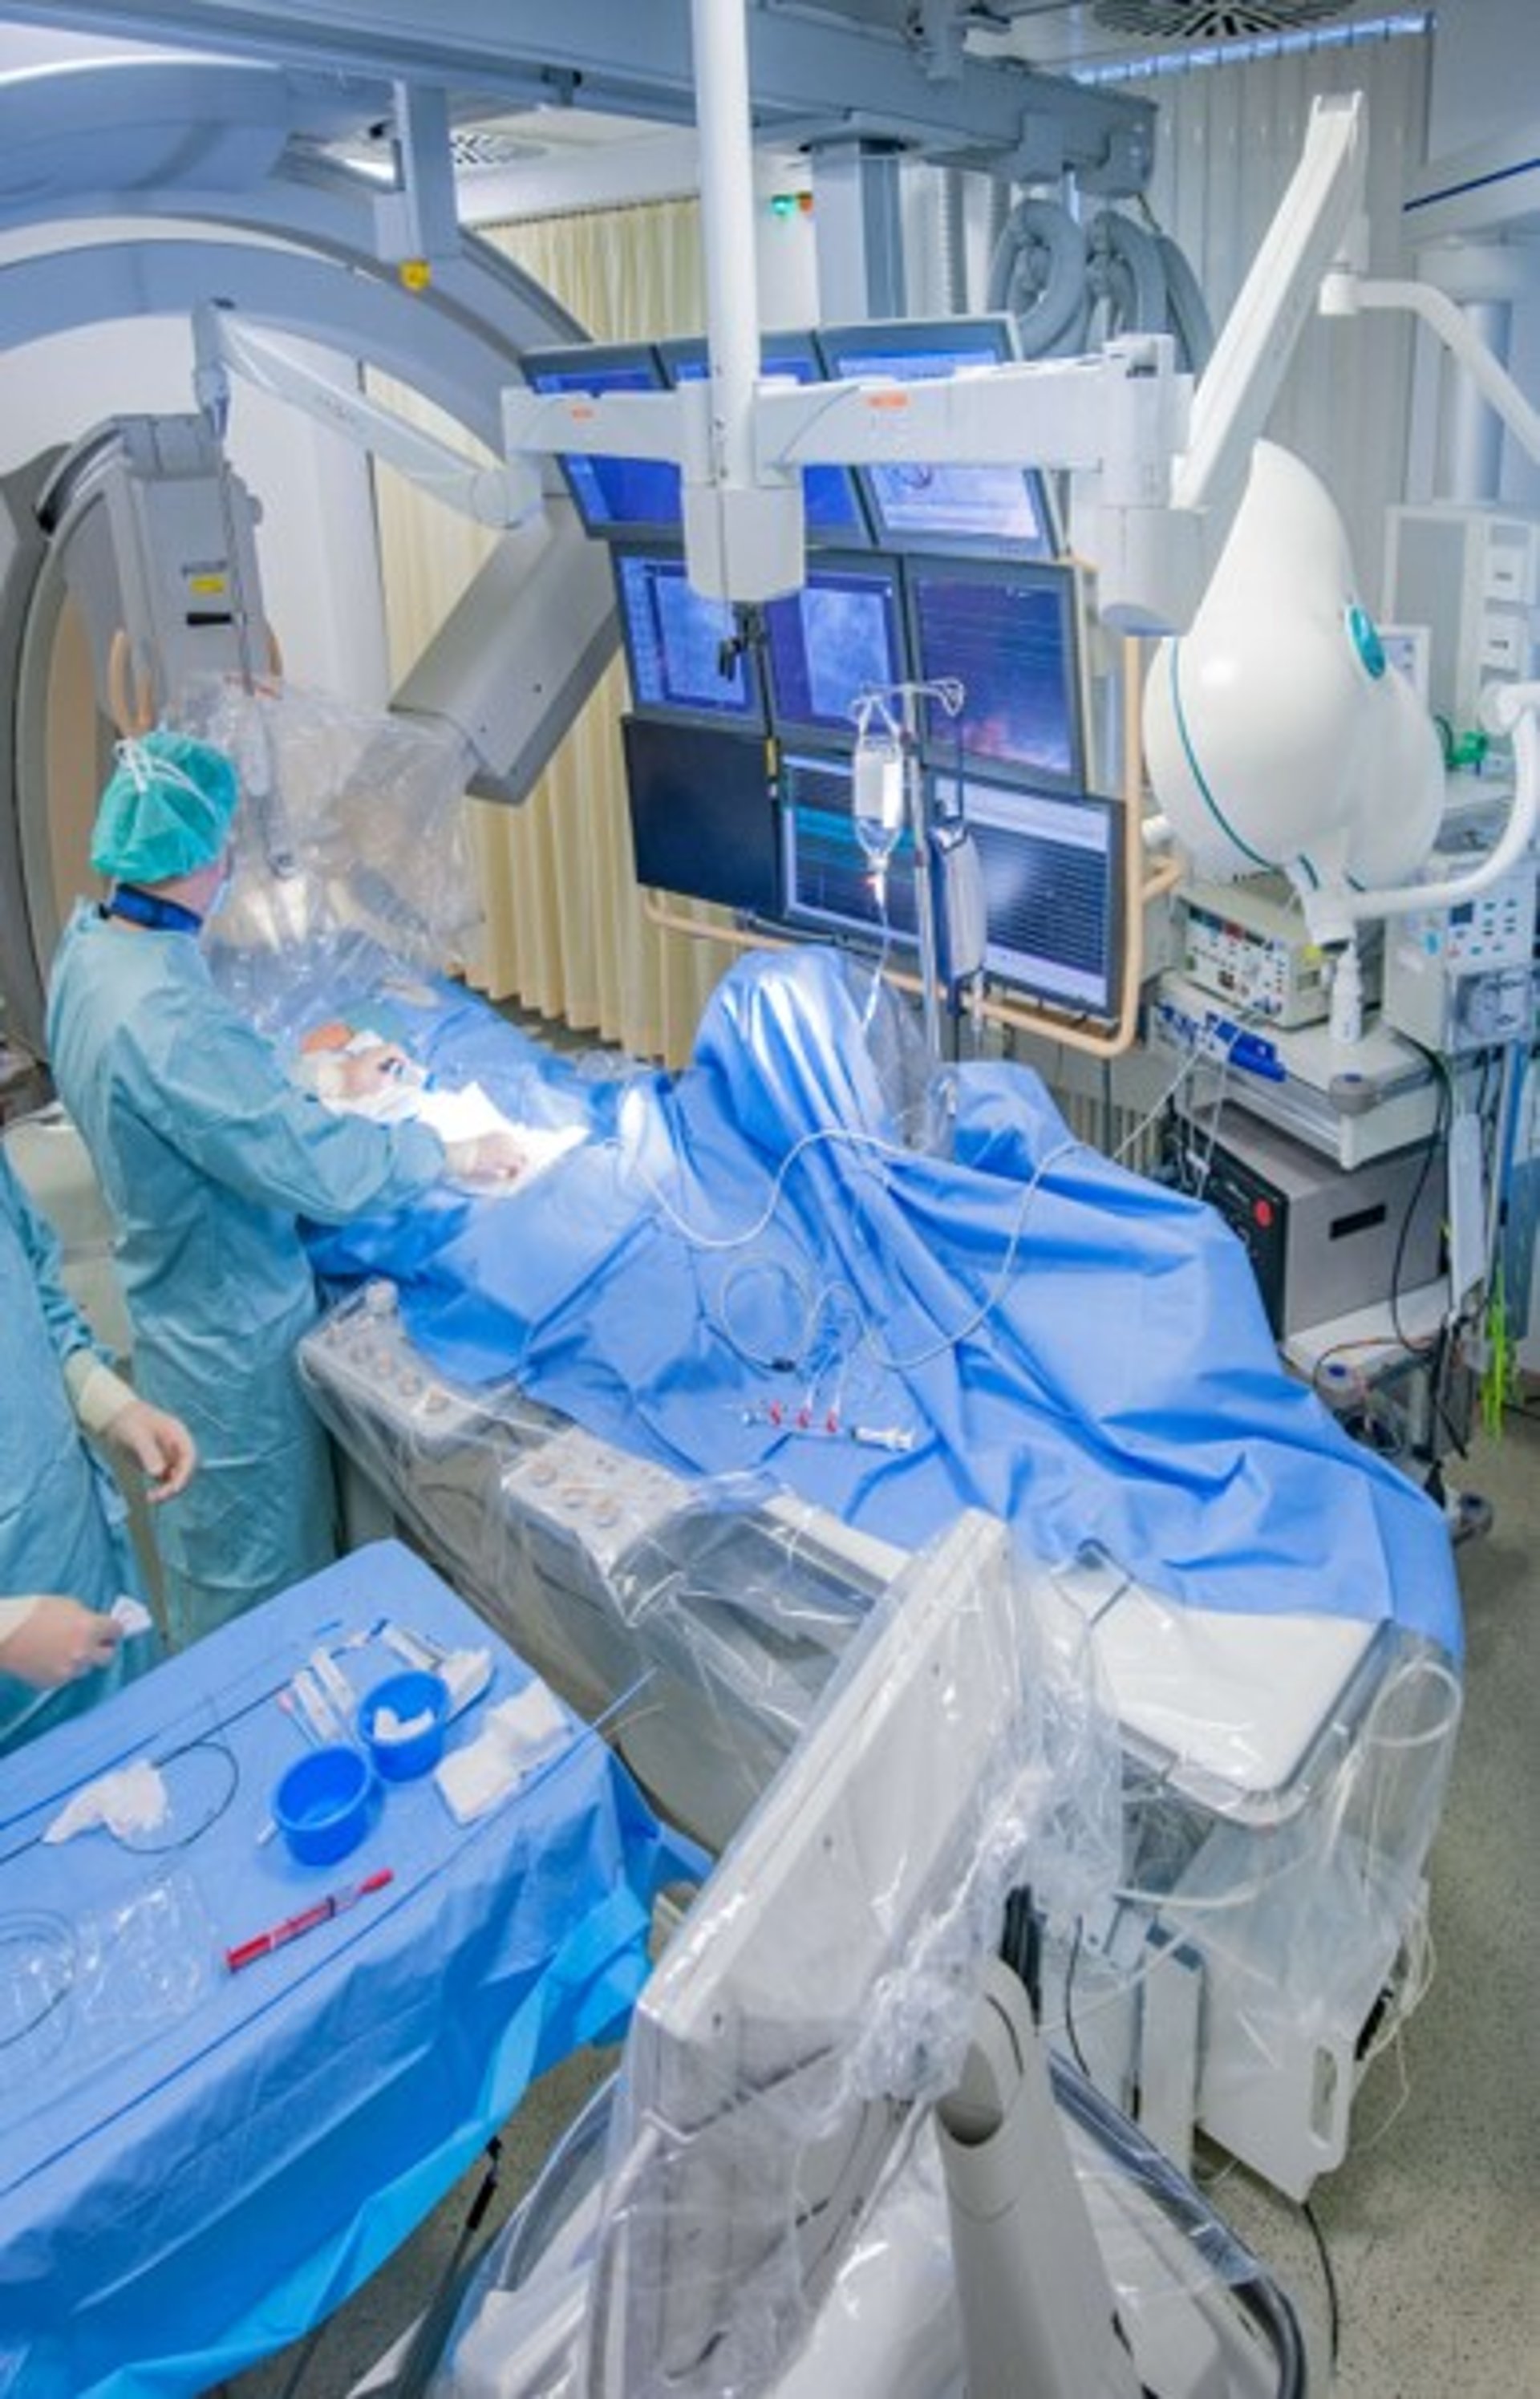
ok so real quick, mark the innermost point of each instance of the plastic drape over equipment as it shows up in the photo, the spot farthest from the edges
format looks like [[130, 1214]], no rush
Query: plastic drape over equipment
[[1279, 1799], [350, 825], [768, 2195]]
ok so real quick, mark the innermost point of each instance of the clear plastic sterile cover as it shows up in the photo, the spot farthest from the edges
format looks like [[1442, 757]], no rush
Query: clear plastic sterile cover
[[757, 2204], [820, 1993], [702, 1618], [351, 827]]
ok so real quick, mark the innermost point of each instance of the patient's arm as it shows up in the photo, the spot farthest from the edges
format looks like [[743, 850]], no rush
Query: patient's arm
[[349, 1067], [362, 1072]]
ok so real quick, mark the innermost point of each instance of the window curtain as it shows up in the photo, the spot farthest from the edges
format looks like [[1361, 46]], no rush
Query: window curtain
[[566, 932], [1230, 137]]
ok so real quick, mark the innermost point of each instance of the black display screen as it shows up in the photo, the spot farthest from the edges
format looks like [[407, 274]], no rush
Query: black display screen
[[703, 813]]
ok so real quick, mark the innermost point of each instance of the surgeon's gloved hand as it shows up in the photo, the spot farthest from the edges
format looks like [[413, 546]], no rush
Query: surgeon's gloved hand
[[159, 1445], [57, 1641], [490, 1157]]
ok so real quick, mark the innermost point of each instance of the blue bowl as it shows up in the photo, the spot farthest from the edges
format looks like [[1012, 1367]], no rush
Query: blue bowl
[[414, 1698], [325, 1804]]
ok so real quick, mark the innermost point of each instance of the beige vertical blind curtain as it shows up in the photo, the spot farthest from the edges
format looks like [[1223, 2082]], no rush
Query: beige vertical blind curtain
[[567, 931]]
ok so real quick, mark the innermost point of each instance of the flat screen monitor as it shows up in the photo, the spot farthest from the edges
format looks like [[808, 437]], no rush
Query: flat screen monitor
[[1002, 512], [1009, 633], [832, 499], [703, 813], [841, 632], [682, 647], [828, 885], [1053, 868], [751, 2150], [611, 495]]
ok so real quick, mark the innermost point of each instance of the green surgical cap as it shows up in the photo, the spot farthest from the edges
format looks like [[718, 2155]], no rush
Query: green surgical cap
[[166, 811]]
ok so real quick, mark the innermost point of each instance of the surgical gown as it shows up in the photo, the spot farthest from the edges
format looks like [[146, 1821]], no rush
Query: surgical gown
[[63, 1523], [207, 1157]]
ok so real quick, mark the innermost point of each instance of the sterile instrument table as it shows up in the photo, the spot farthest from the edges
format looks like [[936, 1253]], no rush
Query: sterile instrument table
[[199, 2164]]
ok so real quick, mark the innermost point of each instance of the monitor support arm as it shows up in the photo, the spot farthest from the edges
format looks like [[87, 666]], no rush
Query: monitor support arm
[[1037, 2308], [495, 496], [1152, 506]]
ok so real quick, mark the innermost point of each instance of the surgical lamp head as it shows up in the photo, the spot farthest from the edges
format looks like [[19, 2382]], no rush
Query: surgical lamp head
[[1277, 731], [166, 811]]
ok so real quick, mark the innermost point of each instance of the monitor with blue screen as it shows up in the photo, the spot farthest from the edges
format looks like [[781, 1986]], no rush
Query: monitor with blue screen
[[830, 499], [612, 496], [827, 878], [996, 510], [682, 648], [1053, 869], [842, 632], [1010, 634]]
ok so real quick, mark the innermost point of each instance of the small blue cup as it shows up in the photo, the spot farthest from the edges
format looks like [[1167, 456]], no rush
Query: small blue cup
[[324, 1804], [415, 1699]]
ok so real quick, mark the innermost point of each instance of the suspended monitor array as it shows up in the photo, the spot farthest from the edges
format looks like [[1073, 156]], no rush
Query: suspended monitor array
[[703, 813], [1010, 634], [842, 632], [1053, 868], [828, 881], [831, 501], [686, 659], [1001, 511], [612, 496]]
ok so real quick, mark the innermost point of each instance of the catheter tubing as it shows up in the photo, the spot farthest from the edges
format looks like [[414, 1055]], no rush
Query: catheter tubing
[[720, 40]]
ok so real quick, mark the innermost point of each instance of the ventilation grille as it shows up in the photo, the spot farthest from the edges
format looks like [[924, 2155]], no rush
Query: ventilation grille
[[1213, 20], [486, 147]]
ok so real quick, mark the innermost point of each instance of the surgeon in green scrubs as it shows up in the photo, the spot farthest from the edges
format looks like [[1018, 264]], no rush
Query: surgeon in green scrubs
[[208, 1157]]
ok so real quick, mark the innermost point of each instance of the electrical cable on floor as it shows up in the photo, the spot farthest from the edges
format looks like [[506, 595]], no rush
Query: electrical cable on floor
[[1441, 1117], [1071, 2034], [1440, 1349], [434, 2326], [309, 2346], [1328, 2276]]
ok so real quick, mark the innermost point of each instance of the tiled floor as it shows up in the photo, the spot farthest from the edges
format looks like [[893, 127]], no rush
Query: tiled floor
[[1433, 2225]]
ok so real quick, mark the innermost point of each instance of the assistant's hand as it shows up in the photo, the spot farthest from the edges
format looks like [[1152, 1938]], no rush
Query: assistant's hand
[[59, 1641], [159, 1445], [491, 1157]]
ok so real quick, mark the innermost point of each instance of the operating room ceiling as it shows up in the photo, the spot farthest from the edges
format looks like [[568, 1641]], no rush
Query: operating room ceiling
[[1059, 35], [1056, 36]]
